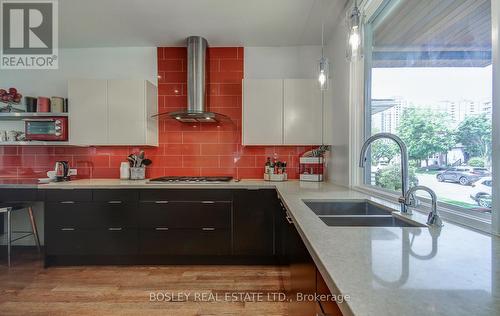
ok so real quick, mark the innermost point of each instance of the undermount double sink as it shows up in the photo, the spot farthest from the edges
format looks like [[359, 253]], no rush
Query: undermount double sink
[[356, 213]]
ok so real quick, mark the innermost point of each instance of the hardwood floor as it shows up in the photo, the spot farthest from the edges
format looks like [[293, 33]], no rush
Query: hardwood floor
[[29, 289]]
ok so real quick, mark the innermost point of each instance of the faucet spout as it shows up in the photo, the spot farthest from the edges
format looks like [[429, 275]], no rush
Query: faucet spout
[[433, 218], [405, 179]]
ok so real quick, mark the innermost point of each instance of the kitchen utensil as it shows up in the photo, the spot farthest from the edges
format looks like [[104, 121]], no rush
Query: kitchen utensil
[[62, 171], [30, 104], [3, 136], [57, 104], [146, 162], [131, 158], [140, 158], [43, 104]]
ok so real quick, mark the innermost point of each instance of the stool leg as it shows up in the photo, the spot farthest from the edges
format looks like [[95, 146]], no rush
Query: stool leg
[[9, 235], [33, 228]]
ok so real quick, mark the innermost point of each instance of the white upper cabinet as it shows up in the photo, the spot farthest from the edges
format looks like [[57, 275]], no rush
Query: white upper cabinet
[[88, 112], [121, 115], [302, 112], [285, 112], [262, 112]]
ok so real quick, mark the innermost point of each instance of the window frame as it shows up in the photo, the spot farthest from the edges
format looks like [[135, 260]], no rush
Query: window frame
[[361, 80]]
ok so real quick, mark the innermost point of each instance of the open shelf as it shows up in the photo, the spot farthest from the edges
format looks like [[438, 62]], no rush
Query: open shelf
[[34, 143], [16, 116]]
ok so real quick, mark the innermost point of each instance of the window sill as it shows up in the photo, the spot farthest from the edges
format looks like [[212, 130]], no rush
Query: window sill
[[481, 222]]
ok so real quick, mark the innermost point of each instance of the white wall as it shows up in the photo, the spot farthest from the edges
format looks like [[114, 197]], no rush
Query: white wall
[[340, 78], [293, 62], [95, 63]]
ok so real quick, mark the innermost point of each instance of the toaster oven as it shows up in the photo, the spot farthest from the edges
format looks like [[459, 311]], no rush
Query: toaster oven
[[46, 128]]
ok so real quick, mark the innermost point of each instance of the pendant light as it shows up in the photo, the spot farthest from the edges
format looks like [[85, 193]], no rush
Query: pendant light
[[324, 64], [354, 34]]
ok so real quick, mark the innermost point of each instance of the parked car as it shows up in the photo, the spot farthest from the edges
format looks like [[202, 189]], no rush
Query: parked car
[[481, 192], [464, 175]]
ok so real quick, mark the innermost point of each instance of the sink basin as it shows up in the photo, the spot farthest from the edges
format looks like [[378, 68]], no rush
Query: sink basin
[[324, 208], [367, 221], [356, 213]]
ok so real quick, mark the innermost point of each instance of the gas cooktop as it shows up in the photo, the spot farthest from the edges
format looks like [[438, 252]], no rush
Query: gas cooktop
[[191, 179]]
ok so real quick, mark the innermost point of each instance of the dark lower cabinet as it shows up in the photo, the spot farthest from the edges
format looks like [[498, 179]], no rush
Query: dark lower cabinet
[[97, 242], [185, 242], [254, 229], [185, 214], [220, 225]]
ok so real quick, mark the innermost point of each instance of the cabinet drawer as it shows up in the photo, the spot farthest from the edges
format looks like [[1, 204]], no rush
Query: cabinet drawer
[[90, 215], [92, 242], [68, 195], [186, 195], [115, 195], [184, 242], [185, 214]]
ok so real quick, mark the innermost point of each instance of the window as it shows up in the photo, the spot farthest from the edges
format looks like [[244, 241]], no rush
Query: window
[[429, 81]]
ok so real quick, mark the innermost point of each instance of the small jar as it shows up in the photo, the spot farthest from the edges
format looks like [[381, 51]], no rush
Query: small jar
[[124, 171]]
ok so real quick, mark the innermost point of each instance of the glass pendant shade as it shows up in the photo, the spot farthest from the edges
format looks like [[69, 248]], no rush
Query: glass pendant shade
[[323, 73], [354, 35]]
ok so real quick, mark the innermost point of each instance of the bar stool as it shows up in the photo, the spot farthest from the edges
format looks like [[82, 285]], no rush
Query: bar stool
[[8, 208]]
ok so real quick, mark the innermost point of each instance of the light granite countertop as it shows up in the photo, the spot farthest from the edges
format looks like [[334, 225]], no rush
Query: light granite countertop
[[384, 270]]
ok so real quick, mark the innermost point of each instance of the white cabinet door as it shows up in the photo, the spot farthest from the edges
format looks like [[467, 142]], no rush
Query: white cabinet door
[[151, 109], [88, 112], [302, 112], [127, 112], [262, 112]]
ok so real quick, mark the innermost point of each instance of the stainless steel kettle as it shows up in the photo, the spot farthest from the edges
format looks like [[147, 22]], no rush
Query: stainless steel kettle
[[62, 171]]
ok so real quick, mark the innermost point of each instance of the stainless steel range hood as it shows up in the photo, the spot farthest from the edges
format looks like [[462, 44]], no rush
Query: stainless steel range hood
[[196, 83]]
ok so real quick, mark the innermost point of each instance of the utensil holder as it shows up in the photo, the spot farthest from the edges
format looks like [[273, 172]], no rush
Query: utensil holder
[[137, 173]]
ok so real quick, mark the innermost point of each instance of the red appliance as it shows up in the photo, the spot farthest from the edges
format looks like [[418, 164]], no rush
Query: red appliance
[[54, 128]]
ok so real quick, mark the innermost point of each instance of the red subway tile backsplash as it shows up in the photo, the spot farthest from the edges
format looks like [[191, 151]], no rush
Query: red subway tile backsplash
[[185, 149]]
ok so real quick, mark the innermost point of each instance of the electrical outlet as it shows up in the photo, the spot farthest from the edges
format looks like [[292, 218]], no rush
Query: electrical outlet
[[73, 172]]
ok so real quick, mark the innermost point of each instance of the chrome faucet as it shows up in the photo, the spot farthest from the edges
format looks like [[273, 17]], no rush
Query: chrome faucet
[[410, 200], [405, 180]]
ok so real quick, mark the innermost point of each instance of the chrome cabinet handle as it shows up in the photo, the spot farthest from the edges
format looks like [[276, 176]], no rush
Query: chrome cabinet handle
[[115, 229], [115, 202], [161, 228], [208, 202], [67, 202], [67, 229], [161, 202], [208, 228]]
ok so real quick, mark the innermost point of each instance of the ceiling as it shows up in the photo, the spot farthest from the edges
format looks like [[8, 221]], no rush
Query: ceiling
[[444, 33], [114, 23]]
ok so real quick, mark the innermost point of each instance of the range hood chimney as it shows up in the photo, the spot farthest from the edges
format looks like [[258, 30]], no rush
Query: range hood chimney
[[196, 83]]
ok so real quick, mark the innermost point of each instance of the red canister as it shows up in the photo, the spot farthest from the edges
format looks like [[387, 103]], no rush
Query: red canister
[[43, 104]]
